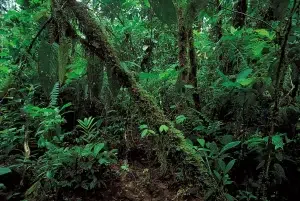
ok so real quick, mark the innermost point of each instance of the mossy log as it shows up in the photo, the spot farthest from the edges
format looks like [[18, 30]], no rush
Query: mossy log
[[97, 42]]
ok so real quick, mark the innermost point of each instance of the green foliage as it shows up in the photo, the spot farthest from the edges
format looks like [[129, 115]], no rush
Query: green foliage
[[76, 70], [163, 128], [180, 119], [145, 131], [215, 162], [235, 76], [48, 120], [88, 127], [65, 167], [54, 95]]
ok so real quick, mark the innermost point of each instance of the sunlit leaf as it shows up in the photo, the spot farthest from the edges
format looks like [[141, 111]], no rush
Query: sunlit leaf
[[232, 30], [244, 74], [263, 32], [147, 4], [98, 148], [189, 86], [180, 119], [144, 76], [163, 128], [246, 82], [144, 133], [144, 126], [277, 142], [201, 142]]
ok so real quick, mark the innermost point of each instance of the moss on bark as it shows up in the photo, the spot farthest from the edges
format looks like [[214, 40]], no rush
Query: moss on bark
[[97, 42]]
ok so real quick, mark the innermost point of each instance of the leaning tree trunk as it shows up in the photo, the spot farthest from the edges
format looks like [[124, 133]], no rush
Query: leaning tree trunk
[[97, 42]]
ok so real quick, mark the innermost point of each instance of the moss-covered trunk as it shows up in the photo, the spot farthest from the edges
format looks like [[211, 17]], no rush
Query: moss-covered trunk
[[194, 67], [97, 42], [182, 49], [188, 66]]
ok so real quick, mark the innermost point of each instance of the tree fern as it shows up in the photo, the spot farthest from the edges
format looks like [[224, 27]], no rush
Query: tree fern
[[54, 95]]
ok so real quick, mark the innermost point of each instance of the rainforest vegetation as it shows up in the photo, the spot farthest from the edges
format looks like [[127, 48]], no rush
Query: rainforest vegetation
[[149, 100]]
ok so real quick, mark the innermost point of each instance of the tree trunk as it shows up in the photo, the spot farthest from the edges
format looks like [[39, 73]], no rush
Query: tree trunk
[[239, 16], [183, 48], [187, 57], [193, 70], [95, 73], [218, 28]]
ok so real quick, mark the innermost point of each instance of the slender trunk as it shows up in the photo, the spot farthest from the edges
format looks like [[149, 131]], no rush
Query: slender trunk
[[295, 79], [183, 49], [216, 31], [187, 56], [193, 69], [293, 57]]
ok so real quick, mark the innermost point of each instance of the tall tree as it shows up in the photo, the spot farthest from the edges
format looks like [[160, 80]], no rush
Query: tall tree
[[188, 65]]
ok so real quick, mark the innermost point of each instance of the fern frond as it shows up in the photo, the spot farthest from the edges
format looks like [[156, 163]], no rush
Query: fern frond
[[54, 95]]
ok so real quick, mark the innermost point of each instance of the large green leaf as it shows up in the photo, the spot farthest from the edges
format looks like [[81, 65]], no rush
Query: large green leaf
[[201, 142], [229, 166], [230, 146], [244, 74], [163, 128], [98, 148], [246, 82], [277, 142], [180, 119]]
